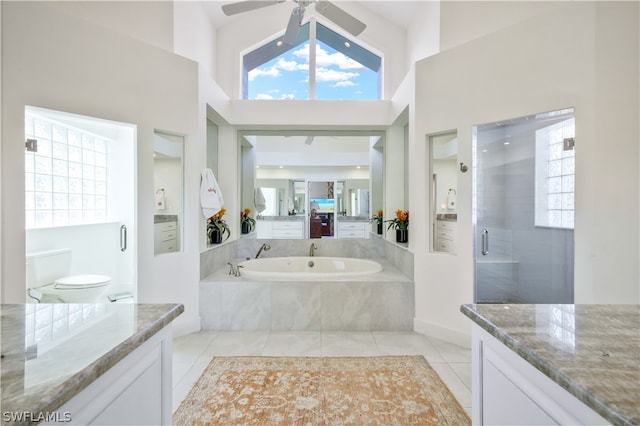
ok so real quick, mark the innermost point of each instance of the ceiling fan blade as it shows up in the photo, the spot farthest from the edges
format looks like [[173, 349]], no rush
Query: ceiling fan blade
[[340, 17], [291, 34], [246, 6]]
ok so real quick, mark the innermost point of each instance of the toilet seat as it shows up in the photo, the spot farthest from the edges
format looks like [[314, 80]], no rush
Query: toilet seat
[[73, 282]]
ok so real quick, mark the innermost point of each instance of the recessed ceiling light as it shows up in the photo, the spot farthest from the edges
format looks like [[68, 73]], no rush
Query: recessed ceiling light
[[281, 166], [485, 150], [357, 167], [347, 44], [279, 43], [257, 167], [507, 143]]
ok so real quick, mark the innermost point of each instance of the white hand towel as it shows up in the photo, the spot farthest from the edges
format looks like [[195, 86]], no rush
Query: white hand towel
[[451, 199], [210, 194], [259, 201], [160, 200]]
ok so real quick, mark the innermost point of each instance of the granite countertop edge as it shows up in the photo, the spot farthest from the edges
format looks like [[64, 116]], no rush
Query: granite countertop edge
[[599, 406], [83, 378]]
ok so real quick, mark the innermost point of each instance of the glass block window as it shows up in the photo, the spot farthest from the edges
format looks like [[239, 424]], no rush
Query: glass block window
[[555, 173], [66, 177]]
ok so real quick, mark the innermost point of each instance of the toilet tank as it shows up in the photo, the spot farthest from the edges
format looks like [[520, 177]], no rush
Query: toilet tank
[[44, 267]]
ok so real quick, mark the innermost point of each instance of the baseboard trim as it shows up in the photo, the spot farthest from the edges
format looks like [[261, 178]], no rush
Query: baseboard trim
[[443, 333], [185, 325]]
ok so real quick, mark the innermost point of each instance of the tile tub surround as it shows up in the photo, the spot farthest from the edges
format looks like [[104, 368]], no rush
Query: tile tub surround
[[215, 257], [73, 345], [382, 302], [592, 351]]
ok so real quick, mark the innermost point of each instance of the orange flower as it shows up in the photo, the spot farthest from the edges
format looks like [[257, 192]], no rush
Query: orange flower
[[218, 216], [380, 213], [401, 221]]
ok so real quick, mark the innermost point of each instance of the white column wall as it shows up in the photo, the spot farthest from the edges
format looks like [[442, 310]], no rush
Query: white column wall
[[582, 55], [93, 71]]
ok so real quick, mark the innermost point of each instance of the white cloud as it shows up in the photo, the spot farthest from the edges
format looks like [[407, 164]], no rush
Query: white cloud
[[290, 65], [263, 96], [259, 72], [324, 59], [302, 53], [324, 75], [347, 83], [289, 96]]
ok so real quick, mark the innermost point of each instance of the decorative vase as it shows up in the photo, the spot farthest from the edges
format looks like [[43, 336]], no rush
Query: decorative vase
[[215, 237], [245, 228], [402, 235], [379, 228]]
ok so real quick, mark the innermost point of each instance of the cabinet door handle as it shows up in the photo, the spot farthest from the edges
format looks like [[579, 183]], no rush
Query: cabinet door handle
[[123, 238], [485, 242]]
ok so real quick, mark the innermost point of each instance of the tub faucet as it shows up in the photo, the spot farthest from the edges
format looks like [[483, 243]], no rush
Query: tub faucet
[[265, 247], [312, 249]]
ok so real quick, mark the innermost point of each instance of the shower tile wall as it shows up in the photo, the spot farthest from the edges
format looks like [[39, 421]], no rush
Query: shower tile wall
[[526, 263]]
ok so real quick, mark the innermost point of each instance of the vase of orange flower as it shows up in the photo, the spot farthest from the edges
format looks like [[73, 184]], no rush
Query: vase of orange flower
[[247, 223], [378, 219], [401, 225], [217, 227]]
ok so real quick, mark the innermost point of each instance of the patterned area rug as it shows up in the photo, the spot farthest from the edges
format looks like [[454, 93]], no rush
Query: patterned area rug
[[394, 390]]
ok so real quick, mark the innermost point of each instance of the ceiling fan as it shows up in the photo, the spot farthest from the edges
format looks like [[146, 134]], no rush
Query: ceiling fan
[[324, 7]]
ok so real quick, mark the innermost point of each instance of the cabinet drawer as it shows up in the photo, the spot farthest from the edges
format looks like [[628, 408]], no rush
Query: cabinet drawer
[[445, 225], [166, 226], [168, 235], [444, 245], [444, 235], [351, 233], [351, 225], [286, 233], [286, 226]]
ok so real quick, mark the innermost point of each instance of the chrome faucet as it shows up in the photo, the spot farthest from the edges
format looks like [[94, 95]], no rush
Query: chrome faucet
[[312, 249], [265, 247]]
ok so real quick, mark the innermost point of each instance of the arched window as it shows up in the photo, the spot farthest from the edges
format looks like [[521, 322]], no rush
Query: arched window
[[321, 64]]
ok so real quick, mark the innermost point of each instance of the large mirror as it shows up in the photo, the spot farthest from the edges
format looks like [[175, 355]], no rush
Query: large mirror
[[443, 150], [168, 172], [295, 172]]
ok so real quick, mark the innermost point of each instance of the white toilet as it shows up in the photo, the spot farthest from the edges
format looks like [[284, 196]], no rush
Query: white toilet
[[48, 279]]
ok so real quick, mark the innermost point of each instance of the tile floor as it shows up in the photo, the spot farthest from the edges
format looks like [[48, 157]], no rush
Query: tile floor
[[193, 352]]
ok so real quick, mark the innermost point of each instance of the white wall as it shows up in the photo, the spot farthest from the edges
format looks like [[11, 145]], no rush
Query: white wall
[[583, 55], [463, 21], [95, 72], [195, 35], [147, 21]]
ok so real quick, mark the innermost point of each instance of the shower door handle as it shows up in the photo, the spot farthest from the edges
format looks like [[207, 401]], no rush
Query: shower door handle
[[123, 238], [485, 242]]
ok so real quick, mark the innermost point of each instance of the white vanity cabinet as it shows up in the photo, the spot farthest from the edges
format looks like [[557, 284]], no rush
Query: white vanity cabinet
[[353, 229], [165, 238], [136, 391], [445, 234], [280, 229], [507, 390]]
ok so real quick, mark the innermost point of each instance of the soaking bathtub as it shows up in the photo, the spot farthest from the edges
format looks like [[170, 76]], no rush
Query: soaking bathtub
[[307, 268]]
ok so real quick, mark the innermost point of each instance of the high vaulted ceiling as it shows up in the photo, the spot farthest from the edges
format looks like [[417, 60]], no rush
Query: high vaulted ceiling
[[401, 13]]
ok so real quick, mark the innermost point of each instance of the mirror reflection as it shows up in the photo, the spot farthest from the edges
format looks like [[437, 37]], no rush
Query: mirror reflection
[[296, 174], [168, 175], [444, 191]]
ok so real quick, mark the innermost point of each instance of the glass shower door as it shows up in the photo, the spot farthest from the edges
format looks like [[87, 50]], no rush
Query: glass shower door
[[524, 190]]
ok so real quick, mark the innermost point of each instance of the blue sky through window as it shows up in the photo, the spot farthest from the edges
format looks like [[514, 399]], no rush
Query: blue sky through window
[[337, 76]]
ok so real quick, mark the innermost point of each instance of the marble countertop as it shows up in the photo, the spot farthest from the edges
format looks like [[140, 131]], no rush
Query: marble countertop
[[592, 351], [51, 352]]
